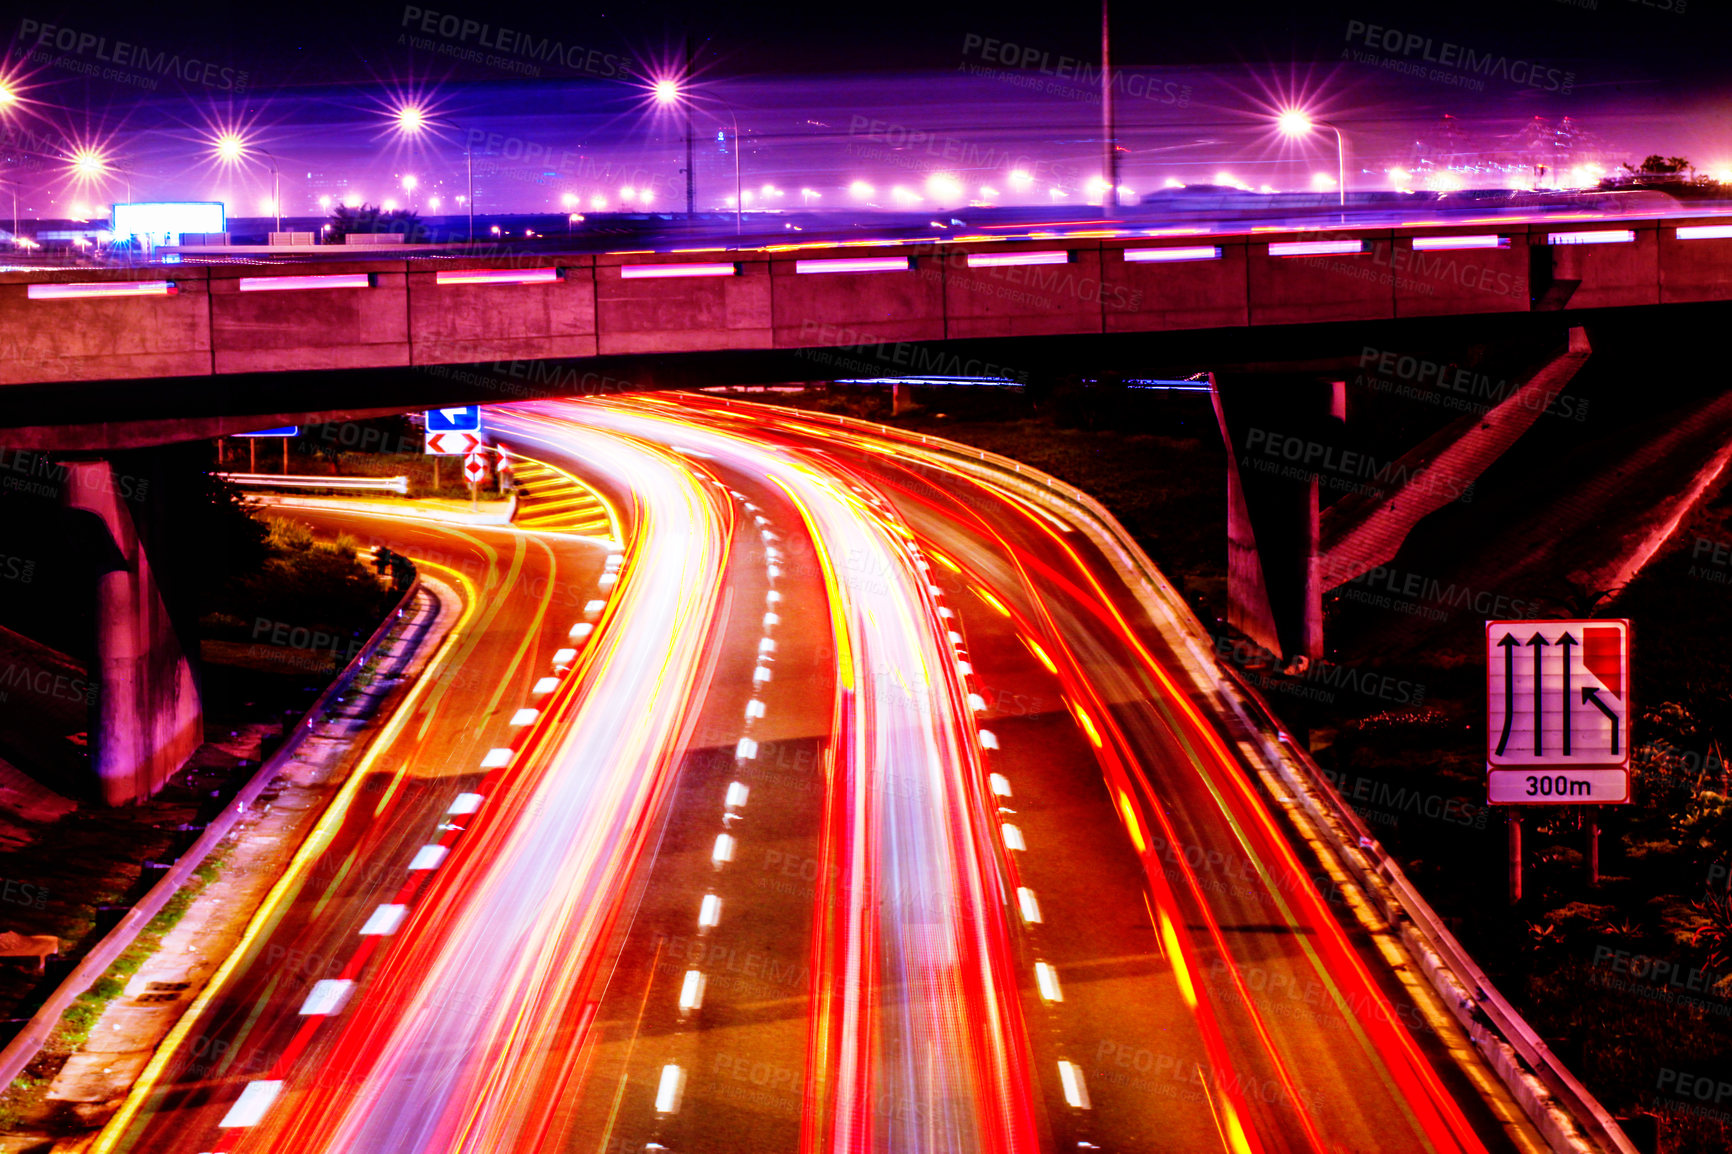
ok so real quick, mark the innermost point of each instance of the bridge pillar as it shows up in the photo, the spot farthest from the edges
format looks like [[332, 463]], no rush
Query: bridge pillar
[[1279, 430], [147, 718]]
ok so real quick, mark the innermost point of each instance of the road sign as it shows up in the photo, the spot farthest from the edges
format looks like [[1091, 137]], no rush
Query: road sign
[[454, 419], [285, 431], [475, 467], [453, 444], [1558, 712]]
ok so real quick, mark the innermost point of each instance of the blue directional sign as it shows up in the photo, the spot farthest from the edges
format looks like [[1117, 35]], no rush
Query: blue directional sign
[[458, 419], [285, 431]]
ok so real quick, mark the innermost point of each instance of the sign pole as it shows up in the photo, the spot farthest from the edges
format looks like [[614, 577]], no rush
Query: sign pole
[[1593, 849], [1514, 818], [435, 475], [253, 454]]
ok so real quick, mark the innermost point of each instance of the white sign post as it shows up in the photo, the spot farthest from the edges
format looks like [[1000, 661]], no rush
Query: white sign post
[[1558, 712], [1557, 721]]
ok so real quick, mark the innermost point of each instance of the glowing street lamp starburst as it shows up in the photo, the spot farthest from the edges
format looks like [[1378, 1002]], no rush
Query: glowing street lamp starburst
[[666, 91], [88, 164], [411, 118], [230, 148], [1294, 122]]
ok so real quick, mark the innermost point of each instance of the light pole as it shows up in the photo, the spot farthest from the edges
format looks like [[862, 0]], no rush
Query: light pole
[[232, 148], [412, 121], [1109, 134], [668, 92], [9, 98], [1294, 123]]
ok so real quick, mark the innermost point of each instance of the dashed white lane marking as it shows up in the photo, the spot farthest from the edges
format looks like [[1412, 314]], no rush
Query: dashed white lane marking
[[754, 708], [1000, 784], [466, 802], [1076, 1091], [1013, 837], [1047, 979], [760, 675], [496, 758], [710, 912], [772, 598], [384, 921], [724, 851], [692, 990], [1030, 907], [988, 739], [564, 656], [581, 631], [524, 716], [545, 686], [746, 750], [765, 645], [251, 1105], [592, 609], [327, 996], [737, 794], [668, 1091], [429, 857], [771, 619], [976, 703]]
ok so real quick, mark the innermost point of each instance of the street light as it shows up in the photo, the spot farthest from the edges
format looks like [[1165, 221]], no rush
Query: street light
[[1294, 123], [667, 92], [412, 121], [8, 99], [232, 148]]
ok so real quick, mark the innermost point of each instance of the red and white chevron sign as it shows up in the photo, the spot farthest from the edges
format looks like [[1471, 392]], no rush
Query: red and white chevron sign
[[453, 444]]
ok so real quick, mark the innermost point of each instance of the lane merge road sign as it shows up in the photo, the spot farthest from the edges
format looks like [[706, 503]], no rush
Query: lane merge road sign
[[453, 444], [1557, 712], [454, 419]]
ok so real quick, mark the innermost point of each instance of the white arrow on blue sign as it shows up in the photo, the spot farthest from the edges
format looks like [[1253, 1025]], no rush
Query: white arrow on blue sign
[[285, 431], [458, 419]]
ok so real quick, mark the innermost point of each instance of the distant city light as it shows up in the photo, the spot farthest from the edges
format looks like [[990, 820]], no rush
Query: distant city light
[[267, 206], [389, 205], [432, 202], [1322, 182], [1400, 178], [1020, 179], [987, 192], [597, 202], [569, 200], [860, 190], [352, 200], [1057, 193], [409, 182], [943, 187], [628, 194], [1172, 182], [903, 196], [324, 202]]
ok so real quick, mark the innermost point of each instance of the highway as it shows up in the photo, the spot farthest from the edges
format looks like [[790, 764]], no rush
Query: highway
[[857, 806]]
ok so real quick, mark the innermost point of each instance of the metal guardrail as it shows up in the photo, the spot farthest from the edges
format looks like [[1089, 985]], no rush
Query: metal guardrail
[[293, 481], [1366, 858], [29, 1040]]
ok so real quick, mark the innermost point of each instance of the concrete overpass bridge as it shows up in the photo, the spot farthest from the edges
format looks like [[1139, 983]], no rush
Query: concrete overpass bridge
[[97, 361]]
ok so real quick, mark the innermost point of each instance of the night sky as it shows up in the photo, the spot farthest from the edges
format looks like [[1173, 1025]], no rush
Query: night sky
[[827, 93]]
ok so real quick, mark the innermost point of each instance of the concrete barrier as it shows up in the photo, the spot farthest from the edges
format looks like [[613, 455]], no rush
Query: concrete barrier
[[307, 327], [1451, 281], [664, 314], [104, 338], [1289, 290], [1694, 268], [1603, 275], [489, 317], [1196, 292], [822, 307], [1011, 300]]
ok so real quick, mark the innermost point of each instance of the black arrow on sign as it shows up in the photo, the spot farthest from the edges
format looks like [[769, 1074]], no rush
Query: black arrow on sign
[[1566, 641], [1539, 642], [1591, 696], [1508, 645]]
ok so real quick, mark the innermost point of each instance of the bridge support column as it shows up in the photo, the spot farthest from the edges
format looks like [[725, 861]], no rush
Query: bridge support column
[[1279, 430], [147, 718]]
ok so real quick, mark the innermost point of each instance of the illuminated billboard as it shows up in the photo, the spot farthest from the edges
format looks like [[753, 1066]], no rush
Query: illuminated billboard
[[165, 222]]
